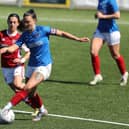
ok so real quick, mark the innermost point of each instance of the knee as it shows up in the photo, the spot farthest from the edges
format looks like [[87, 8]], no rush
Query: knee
[[27, 88], [115, 55], [19, 85], [93, 53]]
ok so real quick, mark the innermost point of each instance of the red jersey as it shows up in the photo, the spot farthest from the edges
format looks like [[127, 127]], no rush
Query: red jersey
[[7, 58]]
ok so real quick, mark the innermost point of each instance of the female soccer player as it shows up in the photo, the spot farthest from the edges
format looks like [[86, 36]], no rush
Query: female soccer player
[[107, 31], [40, 62], [12, 63]]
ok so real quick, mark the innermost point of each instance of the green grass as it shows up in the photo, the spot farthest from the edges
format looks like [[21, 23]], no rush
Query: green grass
[[67, 91]]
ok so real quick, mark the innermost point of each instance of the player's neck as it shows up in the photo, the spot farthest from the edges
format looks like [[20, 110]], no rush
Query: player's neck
[[11, 33], [33, 28]]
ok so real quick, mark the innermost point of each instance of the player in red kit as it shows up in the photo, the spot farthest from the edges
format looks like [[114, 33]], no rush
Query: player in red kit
[[12, 63]]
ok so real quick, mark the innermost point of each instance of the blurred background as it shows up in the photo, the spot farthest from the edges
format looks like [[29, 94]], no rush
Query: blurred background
[[124, 4]]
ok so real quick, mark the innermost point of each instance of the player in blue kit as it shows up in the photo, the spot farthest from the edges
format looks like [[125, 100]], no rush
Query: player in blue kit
[[107, 31], [39, 67]]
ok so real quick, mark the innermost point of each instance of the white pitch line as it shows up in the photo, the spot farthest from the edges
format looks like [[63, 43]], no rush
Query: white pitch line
[[22, 112], [77, 118]]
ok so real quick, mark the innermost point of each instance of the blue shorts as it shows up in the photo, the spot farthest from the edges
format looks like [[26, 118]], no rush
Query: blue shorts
[[110, 38]]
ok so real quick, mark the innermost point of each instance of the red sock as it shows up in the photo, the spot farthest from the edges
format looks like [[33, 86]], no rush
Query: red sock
[[18, 97], [37, 101], [121, 64], [96, 64], [34, 102], [30, 102]]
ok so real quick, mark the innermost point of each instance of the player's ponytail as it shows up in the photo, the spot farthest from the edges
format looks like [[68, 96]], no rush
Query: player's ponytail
[[31, 13], [21, 26]]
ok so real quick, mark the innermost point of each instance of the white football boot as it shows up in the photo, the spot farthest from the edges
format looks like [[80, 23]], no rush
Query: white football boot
[[97, 78], [124, 79], [40, 115]]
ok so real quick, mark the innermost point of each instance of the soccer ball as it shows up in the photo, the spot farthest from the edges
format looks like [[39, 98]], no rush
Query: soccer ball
[[7, 116]]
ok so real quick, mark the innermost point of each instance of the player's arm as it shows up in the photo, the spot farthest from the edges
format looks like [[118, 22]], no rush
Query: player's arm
[[71, 36], [25, 57], [9, 49], [100, 15], [27, 53]]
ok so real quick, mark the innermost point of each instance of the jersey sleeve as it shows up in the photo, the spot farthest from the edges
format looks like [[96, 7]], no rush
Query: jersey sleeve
[[114, 5], [20, 41], [50, 31], [25, 48]]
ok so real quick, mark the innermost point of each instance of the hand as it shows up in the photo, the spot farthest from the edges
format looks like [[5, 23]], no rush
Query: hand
[[3, 50], [84, 39], [17, 61]]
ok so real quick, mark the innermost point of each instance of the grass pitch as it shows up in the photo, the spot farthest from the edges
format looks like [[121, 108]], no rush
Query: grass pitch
[[67, 91]]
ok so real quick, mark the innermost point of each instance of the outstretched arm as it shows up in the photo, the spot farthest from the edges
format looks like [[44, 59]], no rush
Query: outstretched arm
[[71, 36]]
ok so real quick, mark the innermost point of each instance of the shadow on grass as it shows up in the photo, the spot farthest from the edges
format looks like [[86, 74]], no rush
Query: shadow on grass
[[68, 82], [81, 83], [17, 119], [23, 119]]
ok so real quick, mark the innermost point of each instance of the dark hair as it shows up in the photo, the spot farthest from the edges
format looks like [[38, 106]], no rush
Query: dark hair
[[14, 15], [18, 18], [21, 26], [31, 13]]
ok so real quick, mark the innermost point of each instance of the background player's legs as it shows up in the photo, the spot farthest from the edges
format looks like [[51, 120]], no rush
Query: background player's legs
[[120, 63], [96, 45]]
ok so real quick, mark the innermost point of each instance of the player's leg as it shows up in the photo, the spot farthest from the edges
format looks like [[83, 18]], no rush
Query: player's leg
[[114, 47], [18, 77], [13, 77], [43, 71], [120, 63], [18, 97], [33, 99], [23, 94], [18, 84], [35, 79], [40, 108], [8, 74], [96, 45], [36, 102]]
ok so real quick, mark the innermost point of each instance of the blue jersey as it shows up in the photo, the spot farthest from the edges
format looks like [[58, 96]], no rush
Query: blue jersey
[[38, 43], [107, 7]]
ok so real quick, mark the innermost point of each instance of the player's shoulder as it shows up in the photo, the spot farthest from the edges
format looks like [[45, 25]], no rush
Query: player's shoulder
[[3, 33], [113, 2], [42, 27]]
